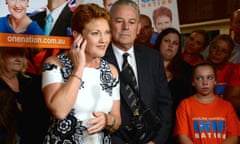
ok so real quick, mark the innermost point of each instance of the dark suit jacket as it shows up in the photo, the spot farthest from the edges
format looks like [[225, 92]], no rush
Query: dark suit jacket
[[62, 25], [154, 93]]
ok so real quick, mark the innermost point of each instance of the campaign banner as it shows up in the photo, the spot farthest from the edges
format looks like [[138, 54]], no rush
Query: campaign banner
[[34, 41], [163, 13]]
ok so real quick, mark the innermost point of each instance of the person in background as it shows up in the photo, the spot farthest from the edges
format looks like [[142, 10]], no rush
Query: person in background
[[26, 88], [162, 18], [235, 33], [220, 50], [81, 89], [151, 90], [232, 92], [196, 43], [61, 15], [9, 118], [205, 117], [146, 31], [61, 18], [178, 72], [17, 20]]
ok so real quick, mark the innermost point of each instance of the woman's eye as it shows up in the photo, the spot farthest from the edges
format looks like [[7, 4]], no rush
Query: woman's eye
[[107, 32], [95, 33], [167, 40]]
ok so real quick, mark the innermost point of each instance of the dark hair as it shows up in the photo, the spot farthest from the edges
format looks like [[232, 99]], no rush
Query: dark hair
[[201, 65], [146, 17], [175, 64], [84, 13], [204, 34]]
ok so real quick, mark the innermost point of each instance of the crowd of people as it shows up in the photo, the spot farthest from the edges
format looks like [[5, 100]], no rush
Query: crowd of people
[[119, 82]]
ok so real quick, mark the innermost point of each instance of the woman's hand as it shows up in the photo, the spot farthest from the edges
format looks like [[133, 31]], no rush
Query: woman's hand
[[98, 123], [77, 53]]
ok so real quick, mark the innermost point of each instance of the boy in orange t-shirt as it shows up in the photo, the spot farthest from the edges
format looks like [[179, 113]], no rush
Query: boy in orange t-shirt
[[204, 118]]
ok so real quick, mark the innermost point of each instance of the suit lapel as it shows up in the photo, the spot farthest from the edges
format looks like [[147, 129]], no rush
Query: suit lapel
[[40, 18], [62, 23], [140, 66]]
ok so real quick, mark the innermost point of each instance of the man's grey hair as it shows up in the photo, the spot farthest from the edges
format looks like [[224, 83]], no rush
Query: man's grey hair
[[125, 2]]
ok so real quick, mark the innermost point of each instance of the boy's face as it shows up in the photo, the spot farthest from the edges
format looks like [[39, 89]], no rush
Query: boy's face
[[204, 80]]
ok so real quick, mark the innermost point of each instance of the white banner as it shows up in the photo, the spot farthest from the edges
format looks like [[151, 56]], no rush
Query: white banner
[[146, 7]]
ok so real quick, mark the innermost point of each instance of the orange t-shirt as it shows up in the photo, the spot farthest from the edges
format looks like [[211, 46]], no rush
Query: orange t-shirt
[[206, 123]]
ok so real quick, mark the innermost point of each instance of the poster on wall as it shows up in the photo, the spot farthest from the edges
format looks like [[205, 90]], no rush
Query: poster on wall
[[163, 13]]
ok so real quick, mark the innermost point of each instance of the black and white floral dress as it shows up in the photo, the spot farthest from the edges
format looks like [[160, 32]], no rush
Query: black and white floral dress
[[97, 92]]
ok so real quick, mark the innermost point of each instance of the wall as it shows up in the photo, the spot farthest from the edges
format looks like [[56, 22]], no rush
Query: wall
[[221, 25], [206, 14]]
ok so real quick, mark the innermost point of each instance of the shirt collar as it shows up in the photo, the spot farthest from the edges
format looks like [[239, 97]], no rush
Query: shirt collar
[[118, 54], [57, 11]]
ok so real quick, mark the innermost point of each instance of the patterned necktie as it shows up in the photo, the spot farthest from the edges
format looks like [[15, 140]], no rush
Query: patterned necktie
[[48, 24], [131, 83], [127, 67]]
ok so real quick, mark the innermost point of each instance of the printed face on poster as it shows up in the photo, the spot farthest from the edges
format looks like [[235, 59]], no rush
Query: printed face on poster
[[163, 13]]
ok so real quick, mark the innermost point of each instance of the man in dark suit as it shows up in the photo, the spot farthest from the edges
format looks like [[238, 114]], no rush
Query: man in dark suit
[[61, 14], [61, 19], [148, 68]]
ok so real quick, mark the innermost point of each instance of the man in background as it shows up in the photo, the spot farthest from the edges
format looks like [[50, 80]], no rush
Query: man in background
[[235, 33], [195, 44], [60, 26], [146, 31]]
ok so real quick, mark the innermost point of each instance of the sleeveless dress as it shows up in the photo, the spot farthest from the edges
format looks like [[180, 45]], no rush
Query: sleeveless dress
[[97, 92]]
